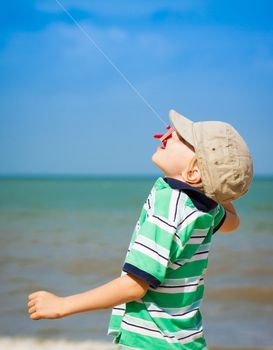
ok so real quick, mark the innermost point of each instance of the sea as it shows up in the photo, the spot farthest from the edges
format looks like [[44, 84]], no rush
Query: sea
[[69, 234]]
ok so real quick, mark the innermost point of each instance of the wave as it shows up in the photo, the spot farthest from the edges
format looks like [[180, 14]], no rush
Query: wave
[[22, 343]]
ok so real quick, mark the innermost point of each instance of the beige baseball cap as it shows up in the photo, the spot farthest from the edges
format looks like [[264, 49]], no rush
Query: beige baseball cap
[[223, 157]]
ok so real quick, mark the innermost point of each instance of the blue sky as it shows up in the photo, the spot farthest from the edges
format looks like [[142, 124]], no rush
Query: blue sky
[[65, 110]]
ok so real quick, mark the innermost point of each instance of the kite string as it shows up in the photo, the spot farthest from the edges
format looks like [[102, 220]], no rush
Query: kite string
[[110, 61]]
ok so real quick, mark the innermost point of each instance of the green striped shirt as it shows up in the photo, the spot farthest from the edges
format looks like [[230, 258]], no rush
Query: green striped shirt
[[169, 249]]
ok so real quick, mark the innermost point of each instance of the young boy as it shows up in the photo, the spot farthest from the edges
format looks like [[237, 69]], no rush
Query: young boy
[[156, 300]]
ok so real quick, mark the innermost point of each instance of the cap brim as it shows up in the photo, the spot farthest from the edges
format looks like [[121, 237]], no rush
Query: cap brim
[[183, 126]]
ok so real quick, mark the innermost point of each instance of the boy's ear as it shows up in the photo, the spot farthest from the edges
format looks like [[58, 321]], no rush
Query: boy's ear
[[193, 175]]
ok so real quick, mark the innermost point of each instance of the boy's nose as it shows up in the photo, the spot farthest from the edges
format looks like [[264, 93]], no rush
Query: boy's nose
[[165, 137]]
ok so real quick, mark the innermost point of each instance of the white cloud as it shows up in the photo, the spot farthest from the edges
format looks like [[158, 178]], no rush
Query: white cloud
[[118, 34]]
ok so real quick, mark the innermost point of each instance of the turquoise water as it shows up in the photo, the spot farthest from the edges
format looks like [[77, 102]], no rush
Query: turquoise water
[[70, 235]]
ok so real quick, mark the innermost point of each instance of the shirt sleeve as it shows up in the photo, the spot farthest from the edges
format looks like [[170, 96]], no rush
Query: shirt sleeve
[[219, 218], [150, 252]]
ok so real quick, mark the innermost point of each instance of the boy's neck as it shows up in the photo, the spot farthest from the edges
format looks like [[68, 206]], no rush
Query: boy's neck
[[180, 178]]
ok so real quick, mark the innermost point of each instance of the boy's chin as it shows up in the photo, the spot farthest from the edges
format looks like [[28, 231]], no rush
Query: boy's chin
[[156, 154], [154, 158], [156, 162]]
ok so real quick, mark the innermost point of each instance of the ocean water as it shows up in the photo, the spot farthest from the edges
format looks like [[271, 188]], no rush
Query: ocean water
[[68, 235]]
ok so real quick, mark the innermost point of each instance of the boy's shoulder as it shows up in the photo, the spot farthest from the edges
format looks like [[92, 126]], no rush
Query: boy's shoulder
[[167, 187], [175, 200]]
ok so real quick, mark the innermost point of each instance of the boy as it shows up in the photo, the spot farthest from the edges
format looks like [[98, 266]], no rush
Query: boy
[[156, 300]]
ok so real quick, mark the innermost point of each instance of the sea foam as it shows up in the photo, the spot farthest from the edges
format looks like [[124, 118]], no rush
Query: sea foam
[[20, 343]]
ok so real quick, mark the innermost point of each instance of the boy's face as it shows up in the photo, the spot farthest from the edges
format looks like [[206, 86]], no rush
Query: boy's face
[[175, 156]]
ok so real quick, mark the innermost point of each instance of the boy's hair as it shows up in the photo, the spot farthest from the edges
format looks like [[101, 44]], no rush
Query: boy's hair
[[222, 156]]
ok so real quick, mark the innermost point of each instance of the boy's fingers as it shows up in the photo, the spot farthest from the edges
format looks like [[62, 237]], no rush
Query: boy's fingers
[[31, 303], [32, 310], [34, 316], [34, 295], [31, 296]]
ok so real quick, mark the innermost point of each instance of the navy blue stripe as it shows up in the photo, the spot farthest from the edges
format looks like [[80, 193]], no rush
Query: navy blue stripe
[[174, 315], [119, 308], [183, 285], [185, 313], [177, 237], [157, 331], [176, 206], [191, 335], [129, 268], [187, 217], [165, 222], [177, 263], [204, 251], [152, 250], [216, 228], [148, 329]]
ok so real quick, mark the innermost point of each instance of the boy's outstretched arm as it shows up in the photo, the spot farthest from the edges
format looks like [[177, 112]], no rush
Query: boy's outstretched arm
[[232, 220], [121, 290]]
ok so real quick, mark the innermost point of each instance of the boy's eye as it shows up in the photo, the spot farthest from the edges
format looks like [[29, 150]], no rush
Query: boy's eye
[[185, 142], [180, 138]]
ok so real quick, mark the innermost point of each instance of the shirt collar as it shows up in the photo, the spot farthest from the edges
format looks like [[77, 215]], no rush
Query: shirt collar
[[199, 199]]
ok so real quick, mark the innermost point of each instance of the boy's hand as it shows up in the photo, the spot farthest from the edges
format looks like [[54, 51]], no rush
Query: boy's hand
[[232, 220], [43, 304]]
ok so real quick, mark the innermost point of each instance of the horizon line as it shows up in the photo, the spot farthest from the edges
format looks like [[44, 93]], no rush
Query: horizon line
[[99, 175]]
